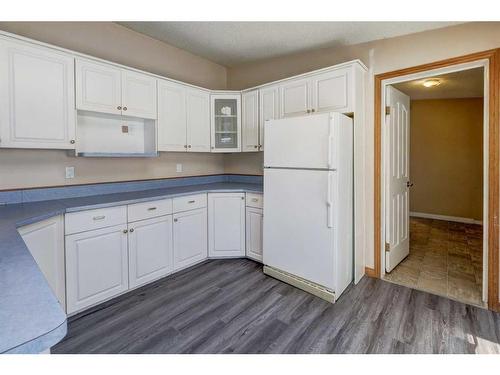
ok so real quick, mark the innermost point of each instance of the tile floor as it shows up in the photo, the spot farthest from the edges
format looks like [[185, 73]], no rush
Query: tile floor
[[445, 259]]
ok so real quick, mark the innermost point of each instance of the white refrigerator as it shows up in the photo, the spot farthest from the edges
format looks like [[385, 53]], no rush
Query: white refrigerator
[[308, 208]]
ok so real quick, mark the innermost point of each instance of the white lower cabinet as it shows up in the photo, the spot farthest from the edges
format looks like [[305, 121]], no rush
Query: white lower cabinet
[[150, 250], [190, 237], [96, 266], [254, 220], [226, 224]]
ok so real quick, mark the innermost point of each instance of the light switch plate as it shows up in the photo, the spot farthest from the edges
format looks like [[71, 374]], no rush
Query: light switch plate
[[70, 172], [178, 167]]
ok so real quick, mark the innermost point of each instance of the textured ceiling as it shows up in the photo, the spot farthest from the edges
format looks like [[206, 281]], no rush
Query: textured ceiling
[[233, 43], [463, 84]]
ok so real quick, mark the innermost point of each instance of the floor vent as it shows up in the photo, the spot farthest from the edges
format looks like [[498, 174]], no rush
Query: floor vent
[[301, 283]]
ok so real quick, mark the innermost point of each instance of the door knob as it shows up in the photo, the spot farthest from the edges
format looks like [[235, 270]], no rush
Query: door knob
[[409, 184]]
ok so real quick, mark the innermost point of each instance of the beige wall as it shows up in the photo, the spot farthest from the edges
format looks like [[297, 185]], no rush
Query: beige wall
[[113, 42], [29, 168], [446, 163], [244, 163], [380, 56]]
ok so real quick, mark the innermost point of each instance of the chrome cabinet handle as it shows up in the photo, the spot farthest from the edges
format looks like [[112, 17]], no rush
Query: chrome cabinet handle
[[96, 218], [151, 208], [125, 231], [191, 201], [131, 230], [119, 107]]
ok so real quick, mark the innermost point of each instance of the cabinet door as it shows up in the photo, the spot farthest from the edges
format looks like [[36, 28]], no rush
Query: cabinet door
[[226, 123], [330, 91], [98, 87], [138, 95], [250, 121], [190, 237], [269, 109], [171, 116], [254, 233], [295, 98], [198, 120], [150, 250], [37, 97], [226, 224], [45, 241], [96, 266]]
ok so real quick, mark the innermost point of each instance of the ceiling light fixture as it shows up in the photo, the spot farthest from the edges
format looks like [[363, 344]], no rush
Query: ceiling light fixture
[[433, 82]]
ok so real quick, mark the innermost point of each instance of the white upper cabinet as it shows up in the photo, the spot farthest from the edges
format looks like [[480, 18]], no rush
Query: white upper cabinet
[[138, 95], [331, 91], [108, 89], [183, 118], [171, 116], [295, 97], [226, 122], [269, 109], [98, 87], [36, 97], [198, 120], [250, 121], [226, 224]]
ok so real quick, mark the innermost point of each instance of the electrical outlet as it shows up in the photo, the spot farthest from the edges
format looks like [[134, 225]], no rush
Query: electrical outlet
[[70, 172], [178, 167]]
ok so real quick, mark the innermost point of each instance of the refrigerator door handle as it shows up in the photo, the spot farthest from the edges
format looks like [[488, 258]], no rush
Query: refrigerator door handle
[[329, 208], [330, 144]]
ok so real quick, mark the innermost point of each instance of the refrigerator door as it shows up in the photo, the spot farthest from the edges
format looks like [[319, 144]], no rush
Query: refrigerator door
[[299, 223], [301, 142]]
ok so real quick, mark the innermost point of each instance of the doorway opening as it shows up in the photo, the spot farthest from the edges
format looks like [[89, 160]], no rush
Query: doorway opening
[[435, 182]]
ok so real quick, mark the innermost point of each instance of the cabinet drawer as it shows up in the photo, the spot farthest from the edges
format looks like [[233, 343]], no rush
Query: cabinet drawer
[[190, 202], [254, 200], [76, 222], [148, 210]]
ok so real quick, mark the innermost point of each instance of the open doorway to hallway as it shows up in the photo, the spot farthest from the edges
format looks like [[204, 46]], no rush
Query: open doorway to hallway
[[434, 177]]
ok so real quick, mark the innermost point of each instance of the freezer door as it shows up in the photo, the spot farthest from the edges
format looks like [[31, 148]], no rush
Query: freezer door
[[302, 142], [299, 225]]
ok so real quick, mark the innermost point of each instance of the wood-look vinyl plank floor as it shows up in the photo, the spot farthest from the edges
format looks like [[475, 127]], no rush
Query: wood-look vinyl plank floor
[[230, 306]]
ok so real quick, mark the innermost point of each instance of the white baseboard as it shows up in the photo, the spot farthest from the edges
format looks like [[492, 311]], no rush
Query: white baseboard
[[446, 218]]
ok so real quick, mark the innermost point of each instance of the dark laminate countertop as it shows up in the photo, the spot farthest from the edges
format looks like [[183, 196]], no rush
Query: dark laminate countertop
[[31, 319]]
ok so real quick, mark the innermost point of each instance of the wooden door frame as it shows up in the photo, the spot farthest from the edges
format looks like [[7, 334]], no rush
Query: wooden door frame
[[493, 57]]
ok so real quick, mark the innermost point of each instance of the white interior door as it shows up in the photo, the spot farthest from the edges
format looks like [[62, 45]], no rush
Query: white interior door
[[397, 203]]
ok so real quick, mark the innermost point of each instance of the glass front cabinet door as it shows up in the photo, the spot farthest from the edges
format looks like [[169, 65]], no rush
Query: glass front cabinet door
[[226, 122]]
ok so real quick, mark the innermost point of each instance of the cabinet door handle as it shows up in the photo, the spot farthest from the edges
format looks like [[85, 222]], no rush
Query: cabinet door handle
[[124, 108], [256, 146], [119, 108], [185, 146], [151, 208], [72, 141], [189, 146], [131, 230], [313, 110], [96, 218], [125, 231], [175, 220], [308, 111], [191, 201], [255, 200]]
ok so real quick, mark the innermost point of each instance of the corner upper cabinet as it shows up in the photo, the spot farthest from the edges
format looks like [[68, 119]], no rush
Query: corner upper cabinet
[[226, 122], [37, 100], [250, 121], [269, 98], [106, 88]]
